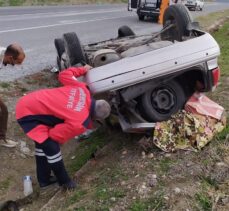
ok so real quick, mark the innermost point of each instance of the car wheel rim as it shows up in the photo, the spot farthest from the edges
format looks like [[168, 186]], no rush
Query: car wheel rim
[[163, 100]]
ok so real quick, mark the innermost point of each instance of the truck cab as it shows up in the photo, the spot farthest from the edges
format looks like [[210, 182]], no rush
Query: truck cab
[[145, 8], [148, 8]]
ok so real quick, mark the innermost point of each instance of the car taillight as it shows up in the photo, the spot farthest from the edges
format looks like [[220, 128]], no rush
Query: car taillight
[[216, 75]]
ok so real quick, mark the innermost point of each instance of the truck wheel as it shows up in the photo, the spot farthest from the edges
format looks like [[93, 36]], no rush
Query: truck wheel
[[73, 49], [155, 18], [159, 103], [141, 17], [59, 45], [125, 31], [178, 15]]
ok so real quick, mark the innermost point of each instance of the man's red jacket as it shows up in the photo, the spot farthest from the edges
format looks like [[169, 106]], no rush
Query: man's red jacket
[[59, 113]]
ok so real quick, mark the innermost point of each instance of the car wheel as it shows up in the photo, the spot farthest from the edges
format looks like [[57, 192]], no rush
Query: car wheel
[[74, 51], [58, 62], [159, 103], [59, 45], [125, 31], [178, 15]]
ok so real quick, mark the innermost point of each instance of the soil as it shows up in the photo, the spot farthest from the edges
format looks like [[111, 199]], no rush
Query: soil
[[121, 176]]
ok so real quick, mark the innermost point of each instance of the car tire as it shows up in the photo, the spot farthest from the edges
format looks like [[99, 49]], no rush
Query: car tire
[[125, 31], [159, 103], [58, 62], [178, 15], [59, 45], [73, 49]]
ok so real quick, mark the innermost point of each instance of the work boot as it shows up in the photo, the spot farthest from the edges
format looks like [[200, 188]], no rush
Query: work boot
[[69, 186]]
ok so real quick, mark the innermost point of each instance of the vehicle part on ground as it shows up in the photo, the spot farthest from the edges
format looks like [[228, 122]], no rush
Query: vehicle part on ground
[[125, 31], [159, 103], [180, 17], [104, 56], [74, 51]]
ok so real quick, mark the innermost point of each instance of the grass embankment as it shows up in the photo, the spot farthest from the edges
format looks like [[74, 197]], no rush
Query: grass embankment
[[55, 2]]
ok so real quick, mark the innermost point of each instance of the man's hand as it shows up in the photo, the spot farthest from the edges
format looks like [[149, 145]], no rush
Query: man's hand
[[87, 67]]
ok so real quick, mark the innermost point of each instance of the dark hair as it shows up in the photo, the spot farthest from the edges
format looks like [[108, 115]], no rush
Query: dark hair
[[11, 50]]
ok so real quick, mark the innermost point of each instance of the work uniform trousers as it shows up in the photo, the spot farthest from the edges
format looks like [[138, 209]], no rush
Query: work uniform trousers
[[49, 158], [3, 120], [48, 154]]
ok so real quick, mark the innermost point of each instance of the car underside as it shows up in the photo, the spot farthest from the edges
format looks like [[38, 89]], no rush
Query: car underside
[[147, 78]]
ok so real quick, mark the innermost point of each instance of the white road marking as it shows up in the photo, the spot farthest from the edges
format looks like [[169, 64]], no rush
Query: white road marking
[[61, 24]]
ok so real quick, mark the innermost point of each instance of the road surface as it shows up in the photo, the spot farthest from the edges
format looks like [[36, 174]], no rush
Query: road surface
[[35, 28]]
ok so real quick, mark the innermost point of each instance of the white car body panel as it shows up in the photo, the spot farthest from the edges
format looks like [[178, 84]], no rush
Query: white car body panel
[[135, 69]]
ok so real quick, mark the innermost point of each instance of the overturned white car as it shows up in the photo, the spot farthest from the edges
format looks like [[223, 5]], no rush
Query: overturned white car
[[147, 78]]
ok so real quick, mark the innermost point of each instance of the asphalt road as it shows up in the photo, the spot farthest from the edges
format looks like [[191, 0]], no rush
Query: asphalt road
[[35, 28]]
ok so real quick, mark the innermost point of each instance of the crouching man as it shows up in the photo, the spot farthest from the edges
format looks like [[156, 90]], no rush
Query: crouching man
[[51, 117], [12, 55]]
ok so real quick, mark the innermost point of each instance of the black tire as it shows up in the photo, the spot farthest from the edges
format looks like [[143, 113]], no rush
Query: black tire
[[125, 31], [59, 45], [178, 15], [58, 62], [155, 18], [73, 49], [159, 103], [141, 17]]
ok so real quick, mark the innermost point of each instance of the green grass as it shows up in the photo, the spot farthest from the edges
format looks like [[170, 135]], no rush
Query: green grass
[[165, 164], [204, 201], [113, 175], [222, 37], [155, 203], [103, 193], [16, 2], [208, 20], [224, 133], [5, 184], [77, 195], [208, 182], [5, 85], [86, 149]]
